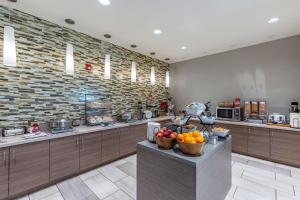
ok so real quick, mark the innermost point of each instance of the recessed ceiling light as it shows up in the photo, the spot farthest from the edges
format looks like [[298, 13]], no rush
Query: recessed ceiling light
[[183, 47], [133, 46], [152, 53], [104, 2], [273, 20], [70, 21], [157, 32], [167, 59], [107, 36]]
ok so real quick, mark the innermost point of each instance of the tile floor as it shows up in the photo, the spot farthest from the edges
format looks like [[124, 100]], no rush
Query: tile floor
[[252, 179]]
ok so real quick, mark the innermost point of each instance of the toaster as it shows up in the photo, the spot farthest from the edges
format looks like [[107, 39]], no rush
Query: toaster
[[295, 120], [12, 131]]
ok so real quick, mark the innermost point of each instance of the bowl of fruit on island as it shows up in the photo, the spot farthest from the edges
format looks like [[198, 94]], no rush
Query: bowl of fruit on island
[[165, 138], [191, 143]]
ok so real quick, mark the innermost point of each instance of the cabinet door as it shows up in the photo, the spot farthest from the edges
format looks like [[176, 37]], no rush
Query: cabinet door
[[90, 150], [29, 167], [4, 156], [110, 145], [127, 141], [64, 157], [239, 137], [285, 146], [259, 142], [140, 132]]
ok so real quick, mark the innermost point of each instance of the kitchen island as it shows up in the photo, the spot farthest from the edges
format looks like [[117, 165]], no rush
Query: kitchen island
[[172, 175]]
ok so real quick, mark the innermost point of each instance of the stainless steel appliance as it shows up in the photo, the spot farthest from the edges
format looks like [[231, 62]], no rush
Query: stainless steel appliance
[[294, 107], [228, 113], [61, 125], [12, 131]]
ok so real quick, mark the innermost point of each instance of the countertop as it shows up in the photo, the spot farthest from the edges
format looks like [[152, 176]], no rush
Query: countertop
[[243, 123], [175, 153], [19, 139]]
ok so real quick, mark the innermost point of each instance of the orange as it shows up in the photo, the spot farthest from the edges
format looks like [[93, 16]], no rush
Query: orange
[[180, 137], [188, 139], [196, 134], [199, 139]]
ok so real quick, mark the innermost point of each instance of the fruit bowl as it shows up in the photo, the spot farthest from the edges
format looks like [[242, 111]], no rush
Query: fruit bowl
[[191, 148], [165, 143]]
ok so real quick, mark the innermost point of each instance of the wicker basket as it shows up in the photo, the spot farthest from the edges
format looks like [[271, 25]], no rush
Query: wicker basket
[[165, 143], [193, 149]]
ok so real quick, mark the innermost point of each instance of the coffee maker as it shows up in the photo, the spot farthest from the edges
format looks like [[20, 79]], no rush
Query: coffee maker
[[294, 107]]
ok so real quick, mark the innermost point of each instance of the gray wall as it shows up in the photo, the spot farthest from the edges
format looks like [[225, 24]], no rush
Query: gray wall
[[268, 71]]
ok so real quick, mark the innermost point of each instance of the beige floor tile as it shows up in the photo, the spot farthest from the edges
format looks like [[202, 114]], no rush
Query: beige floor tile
[[244, 194], [297, 191], [129, 168], [268, 182], [101, 186], [89, 174], [287, 167], [131, 159], [257, 160], [237, 170], [119, 162], [119, 195], [44, 193], [295, 174], [128, 185], [112, 172], [239, 159], [229, 198], [288, 180], [74, 188], [232, 191], [262, 190], [24, 198], [261, 173], [285, 196], [55, 196]]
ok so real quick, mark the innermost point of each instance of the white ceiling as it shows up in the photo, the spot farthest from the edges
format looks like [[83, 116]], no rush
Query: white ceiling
[[205, 26]]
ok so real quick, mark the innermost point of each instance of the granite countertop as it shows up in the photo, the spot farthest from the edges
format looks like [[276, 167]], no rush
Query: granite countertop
[[175, 153], [19, 139], [243, 123]]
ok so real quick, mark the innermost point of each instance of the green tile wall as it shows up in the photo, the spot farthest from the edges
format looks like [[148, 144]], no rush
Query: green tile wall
[[39, 88]]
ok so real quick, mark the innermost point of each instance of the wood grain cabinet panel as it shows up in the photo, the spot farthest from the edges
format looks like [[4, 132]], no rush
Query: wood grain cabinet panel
[[64, 157], [239, 137], [285, 146], [4, 160], [259, 142], [127, 141], [90, 151], [29, 167], [110, 145], [140, 132]]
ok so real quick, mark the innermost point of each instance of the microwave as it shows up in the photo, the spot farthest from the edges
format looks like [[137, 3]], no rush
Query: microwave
[[231, 114]]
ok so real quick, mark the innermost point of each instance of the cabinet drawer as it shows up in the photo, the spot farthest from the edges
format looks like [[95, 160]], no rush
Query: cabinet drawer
[[110, 145], [259, 142]]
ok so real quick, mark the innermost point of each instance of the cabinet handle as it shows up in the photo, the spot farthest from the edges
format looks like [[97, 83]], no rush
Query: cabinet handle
[[4, 158], [14, 157], [77, 141]]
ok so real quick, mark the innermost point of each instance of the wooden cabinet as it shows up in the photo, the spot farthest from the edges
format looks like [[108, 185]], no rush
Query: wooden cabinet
[[259, 142], [4, 160], [127, 141], [110, 145], [140, 132], [90, 150], [29, 167], [239, 137], [285, 146], [64, 157]]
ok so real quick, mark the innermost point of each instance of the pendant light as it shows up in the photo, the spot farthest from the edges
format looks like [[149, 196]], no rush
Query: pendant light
[[9, 46], [133, 72], [69, 60], [107, 67], [152, 76], [167, 79]]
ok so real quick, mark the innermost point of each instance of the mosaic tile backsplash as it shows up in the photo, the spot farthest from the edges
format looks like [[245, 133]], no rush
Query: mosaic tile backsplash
[[39, 88]]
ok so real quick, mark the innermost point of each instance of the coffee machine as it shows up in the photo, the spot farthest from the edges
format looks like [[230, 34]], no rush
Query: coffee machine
[[294, 115]]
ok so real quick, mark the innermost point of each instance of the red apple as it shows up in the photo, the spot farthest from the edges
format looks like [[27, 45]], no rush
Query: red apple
[[159, 134]]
